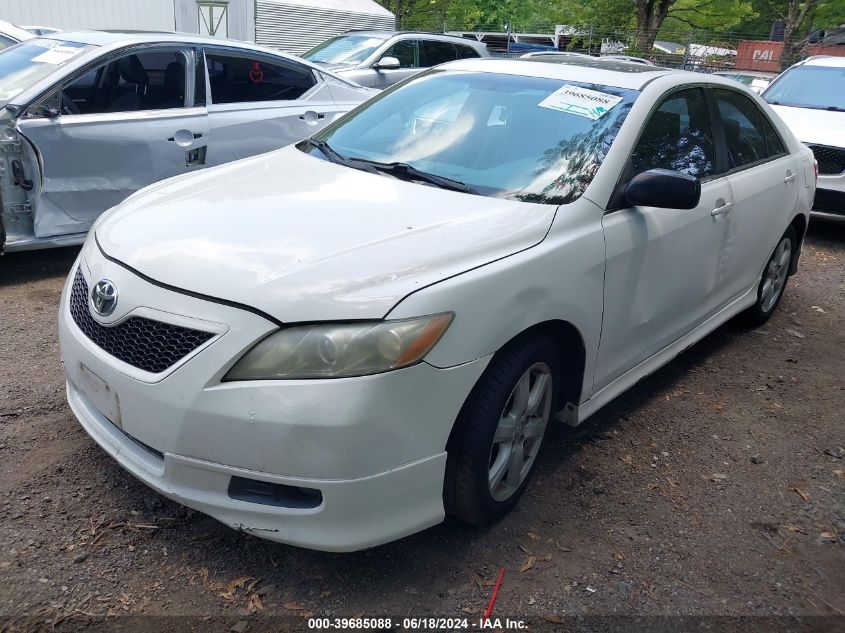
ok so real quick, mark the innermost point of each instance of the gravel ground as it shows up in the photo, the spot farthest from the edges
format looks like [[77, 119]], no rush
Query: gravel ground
[[716, 487]]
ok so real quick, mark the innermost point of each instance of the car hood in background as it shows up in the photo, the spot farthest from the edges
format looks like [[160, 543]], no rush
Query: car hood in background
[[810, 125], [304, 239]]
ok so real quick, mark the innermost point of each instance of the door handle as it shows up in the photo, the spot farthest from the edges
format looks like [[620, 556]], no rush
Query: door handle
[[789, 177], [311, 117], [183, 138], [721, 210]]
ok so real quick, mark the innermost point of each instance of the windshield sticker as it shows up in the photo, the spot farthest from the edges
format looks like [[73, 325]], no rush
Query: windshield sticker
[[58, 54], [581, 101]]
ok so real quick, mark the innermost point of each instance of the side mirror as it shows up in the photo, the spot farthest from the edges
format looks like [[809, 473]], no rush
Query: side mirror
[[387, 63], [665, 189]]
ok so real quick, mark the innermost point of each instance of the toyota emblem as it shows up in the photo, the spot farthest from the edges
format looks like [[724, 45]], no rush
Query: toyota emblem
[[104, 297]]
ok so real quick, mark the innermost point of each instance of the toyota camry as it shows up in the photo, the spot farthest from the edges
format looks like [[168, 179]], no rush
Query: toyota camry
[[338, 343]]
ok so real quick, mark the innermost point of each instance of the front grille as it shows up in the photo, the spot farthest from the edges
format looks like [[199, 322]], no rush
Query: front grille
[[831, 159], [143, 343]]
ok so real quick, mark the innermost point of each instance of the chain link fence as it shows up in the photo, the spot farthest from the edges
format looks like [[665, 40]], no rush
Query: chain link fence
[[696, 50]]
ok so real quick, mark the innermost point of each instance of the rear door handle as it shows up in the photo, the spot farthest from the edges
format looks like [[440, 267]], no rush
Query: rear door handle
[[722, 210], [789, 177]]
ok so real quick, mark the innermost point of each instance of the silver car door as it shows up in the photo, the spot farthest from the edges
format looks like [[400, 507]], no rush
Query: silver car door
[[259, 103], [114, 128], [407, 52]]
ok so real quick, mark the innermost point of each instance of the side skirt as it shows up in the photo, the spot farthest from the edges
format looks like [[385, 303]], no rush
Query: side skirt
[[574, 415]]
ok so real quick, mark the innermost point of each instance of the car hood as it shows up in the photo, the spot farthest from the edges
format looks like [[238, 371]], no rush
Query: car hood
[[810, 125], [304, 239]]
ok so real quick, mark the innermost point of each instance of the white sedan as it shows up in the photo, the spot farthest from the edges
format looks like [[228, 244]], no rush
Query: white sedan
[[88, 118], [336, 344]]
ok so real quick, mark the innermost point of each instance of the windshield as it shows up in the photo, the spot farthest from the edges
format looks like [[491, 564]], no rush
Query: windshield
[[525, 138], [27, 63], [809, 87], [344, 49]]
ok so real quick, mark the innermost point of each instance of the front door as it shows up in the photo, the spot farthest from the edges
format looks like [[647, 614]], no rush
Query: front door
[[121, 126], [665, 267], [407, 52]]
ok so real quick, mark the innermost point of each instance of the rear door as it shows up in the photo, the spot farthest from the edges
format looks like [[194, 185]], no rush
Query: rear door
[[258, 103], [436, 52], [665, 267], [124, 123], [764, 181]]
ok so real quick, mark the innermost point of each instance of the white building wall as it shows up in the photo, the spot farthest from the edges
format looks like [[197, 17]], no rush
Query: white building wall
[[74, 15], [295, 26]]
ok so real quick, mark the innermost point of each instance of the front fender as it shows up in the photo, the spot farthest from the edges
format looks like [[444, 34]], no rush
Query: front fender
[[561, 278]]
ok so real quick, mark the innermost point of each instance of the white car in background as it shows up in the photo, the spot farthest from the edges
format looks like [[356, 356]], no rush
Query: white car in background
[[88, 118], [810, 97], [11, 34], [335, 344]]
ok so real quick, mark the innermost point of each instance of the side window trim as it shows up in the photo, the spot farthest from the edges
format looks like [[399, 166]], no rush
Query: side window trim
[[721, 126], [259, 55], [101, 62]]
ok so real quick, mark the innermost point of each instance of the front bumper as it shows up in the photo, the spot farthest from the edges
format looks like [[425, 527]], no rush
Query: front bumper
[[830, 194], [373, 446]]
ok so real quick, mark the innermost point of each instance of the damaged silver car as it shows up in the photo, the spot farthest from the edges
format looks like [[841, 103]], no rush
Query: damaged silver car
[[89, 118]]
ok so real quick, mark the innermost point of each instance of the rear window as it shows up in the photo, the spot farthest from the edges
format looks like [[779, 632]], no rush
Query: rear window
[[27, 63], [821, 87]]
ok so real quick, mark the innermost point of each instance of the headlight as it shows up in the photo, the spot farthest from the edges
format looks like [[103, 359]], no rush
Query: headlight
[[340, 350]]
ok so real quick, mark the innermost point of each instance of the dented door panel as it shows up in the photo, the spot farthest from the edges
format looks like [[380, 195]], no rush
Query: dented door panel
[[89, 163]]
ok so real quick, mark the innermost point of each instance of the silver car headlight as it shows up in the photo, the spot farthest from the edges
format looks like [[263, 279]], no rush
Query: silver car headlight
[[340, 350]]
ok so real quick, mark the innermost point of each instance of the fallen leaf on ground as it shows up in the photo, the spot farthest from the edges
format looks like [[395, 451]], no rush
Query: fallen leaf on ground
[[802, 494], [553, 618], [532, 536], [528, 564], [293, 606]]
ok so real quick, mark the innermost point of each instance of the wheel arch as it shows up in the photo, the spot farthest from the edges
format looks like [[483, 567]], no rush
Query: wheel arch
[[799, 223], [572, 352]]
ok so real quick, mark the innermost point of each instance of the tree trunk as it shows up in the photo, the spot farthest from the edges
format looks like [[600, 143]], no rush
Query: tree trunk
[[650, 15], [794, 29]]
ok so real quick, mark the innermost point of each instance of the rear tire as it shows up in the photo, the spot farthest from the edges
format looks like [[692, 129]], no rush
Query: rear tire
[[773, 281], [500, 430]]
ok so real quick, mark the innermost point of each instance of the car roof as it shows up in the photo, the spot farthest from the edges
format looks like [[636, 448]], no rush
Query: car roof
[[620, 74], [825, 60], [386, 34], [104, 38]]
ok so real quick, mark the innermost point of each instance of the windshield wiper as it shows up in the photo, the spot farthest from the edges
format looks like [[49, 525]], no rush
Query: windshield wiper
[[393, 169], [334, 157], [404, 169]]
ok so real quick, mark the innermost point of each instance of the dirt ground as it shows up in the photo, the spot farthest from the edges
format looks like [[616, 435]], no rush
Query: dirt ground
[[714, 488]]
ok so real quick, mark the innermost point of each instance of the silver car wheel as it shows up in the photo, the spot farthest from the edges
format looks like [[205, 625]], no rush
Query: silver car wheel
[[520, 431], [775, 275]]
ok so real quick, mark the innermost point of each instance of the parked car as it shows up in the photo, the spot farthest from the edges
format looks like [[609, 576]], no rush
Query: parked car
[[11, 35], [757, 80], [556, 54], [810, 97], [41, 30], [334, 344], [91, 117], [629, 58], [378, 59]]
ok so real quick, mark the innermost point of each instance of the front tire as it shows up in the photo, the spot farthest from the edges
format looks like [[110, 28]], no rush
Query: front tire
[[500, 430], [773, 281]]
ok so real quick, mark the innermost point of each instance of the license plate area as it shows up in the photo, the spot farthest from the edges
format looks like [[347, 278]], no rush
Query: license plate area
[[100, 395]]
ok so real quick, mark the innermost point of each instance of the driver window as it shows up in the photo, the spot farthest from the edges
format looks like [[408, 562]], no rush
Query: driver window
[[151, 80], [678, 136], [405, 51]]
